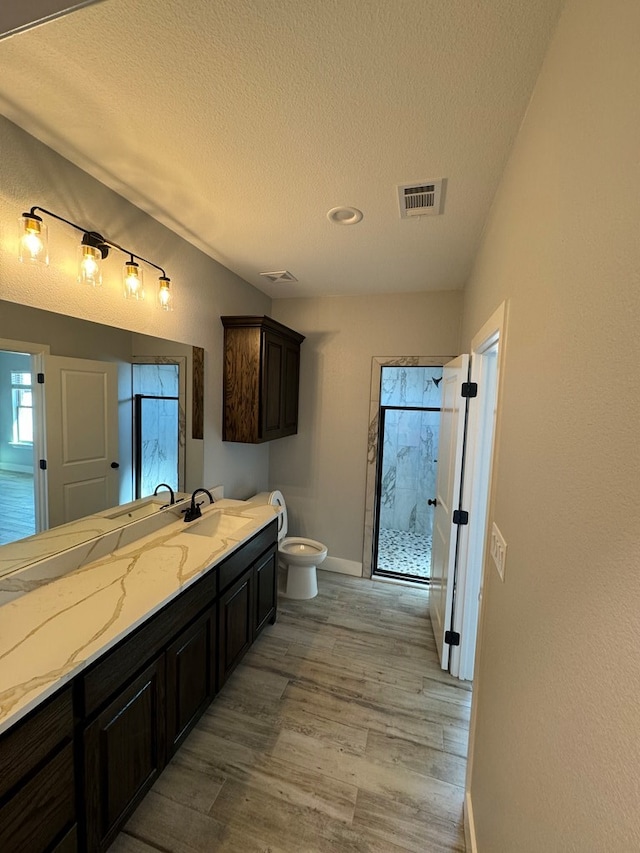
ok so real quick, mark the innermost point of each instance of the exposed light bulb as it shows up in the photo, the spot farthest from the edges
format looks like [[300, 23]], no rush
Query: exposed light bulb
[[32, 247], [165, 298], [90, 267], [132, 279]]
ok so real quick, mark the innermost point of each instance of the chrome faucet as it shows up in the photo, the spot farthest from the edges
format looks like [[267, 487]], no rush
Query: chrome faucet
[[170, 490], [193, 511]]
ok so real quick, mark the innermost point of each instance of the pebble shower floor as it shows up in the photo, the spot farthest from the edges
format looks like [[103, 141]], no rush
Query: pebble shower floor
[[405, 553]]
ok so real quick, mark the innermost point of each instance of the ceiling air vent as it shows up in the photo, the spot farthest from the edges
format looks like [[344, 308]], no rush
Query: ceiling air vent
[[279, 276], [420, 199]]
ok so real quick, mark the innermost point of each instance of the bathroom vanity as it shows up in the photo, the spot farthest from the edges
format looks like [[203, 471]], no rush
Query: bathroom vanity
[[104, 670]]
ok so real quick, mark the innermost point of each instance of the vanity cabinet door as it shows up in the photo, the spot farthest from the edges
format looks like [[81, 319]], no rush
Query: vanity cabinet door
[[236, 624], [124, 752], [266, 590], [191, 677]]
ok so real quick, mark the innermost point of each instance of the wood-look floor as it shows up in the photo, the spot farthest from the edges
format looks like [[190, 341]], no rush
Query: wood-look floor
[[17, 514], [338, 732]]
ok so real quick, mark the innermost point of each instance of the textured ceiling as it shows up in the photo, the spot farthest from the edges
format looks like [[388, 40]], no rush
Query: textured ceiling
[[240, 123]]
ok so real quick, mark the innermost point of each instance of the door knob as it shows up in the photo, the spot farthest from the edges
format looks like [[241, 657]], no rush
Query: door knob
[[433, 502], [115, 464]]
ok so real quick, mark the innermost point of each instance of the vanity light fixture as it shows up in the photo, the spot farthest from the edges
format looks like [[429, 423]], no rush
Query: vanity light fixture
[[132, 278], [93, 249], [33, 245], [165, 297]]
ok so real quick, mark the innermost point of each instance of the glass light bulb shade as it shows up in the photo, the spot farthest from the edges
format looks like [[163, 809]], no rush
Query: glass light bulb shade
[[33, 243], [90, 265], [165, 297], [132, 279]]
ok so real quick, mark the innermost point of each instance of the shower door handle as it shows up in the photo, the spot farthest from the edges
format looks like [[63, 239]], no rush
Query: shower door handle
[[433, 502]]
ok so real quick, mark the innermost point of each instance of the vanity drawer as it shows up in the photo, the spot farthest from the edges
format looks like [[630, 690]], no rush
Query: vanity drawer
[[42, 810], [124, 661], [231, 569], [26, 746]]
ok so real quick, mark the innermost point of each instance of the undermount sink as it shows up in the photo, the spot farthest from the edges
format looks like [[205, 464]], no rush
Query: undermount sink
[[216, 523]]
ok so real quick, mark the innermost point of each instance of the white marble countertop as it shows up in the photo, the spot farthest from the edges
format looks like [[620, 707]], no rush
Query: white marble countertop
[[55, 630]]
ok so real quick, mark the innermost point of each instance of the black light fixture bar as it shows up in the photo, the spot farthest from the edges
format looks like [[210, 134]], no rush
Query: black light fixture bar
[[93, 238]]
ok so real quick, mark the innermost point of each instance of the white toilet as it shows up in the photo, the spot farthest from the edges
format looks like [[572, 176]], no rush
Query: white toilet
[[301, 556]]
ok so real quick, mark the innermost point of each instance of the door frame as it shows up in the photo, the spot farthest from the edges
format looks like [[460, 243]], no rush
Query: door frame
[[377, 363], [493, 331], [38, 352]]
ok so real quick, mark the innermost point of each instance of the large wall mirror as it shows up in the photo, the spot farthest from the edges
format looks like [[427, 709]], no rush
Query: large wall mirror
[[109, 423]]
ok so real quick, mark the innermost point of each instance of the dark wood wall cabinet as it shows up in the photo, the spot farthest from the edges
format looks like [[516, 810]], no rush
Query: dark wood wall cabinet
[[261, 379], [73, 771]]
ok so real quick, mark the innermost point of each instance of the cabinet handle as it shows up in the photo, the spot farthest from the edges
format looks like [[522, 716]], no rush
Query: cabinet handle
[[433, 502]]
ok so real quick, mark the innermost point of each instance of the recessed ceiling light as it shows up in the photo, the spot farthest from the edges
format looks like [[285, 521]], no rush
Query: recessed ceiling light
[[344, 215]]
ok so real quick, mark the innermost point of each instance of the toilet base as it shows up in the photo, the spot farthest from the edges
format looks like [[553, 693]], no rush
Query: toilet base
[[302, 582]]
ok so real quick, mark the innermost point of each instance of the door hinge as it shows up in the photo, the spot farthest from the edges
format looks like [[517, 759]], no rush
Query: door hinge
[[43, 464], [40, 378], [469, 389], [452, 638], [460, 516]]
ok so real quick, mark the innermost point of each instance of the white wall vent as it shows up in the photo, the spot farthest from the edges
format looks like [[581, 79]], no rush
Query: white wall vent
[[279, 276], [420, 199]]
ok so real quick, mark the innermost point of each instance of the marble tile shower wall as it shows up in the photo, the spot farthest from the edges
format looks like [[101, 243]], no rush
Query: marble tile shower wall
[[410, 451]]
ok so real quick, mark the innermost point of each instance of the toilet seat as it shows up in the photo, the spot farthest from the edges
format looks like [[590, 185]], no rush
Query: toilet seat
[[303, 551], [300, 555]]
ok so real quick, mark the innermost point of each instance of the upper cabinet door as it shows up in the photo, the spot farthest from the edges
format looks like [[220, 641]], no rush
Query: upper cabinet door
[[261, 379], [272, 385]]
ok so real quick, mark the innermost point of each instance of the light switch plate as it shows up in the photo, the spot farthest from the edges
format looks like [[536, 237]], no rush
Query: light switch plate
[[498, 550]]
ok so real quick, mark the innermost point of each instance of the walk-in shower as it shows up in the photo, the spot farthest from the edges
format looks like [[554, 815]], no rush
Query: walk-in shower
[[407, 468]]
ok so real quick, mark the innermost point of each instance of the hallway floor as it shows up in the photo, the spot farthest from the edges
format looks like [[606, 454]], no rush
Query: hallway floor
[[17, 514], [404, 553], [338, 732]]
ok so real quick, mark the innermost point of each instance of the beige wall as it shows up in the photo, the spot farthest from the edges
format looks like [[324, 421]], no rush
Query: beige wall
[[32, 174], [322, 470], [556, 766]]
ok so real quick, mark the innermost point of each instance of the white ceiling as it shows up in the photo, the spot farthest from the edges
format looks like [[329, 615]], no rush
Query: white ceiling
[[240, 123]]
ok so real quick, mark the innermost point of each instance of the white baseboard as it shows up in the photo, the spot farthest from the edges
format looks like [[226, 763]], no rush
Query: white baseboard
[[469, 825], [343, 567]]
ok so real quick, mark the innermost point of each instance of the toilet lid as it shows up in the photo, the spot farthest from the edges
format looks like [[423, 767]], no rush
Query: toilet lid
[[276, 498]]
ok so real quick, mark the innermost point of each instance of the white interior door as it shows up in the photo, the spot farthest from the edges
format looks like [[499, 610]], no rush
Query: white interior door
[[445, 532], [81, 400]]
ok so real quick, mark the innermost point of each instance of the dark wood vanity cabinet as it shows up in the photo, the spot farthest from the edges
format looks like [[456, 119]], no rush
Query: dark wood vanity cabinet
[[265, 596], [261, 379], [236, 630], [124, 751], [191, 662], [74, 770], [245, 607], [37, 781], [143, 697]]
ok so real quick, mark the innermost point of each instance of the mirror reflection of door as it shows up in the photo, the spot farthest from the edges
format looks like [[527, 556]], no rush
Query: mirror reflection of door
[[408, 446], [82, 437]]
